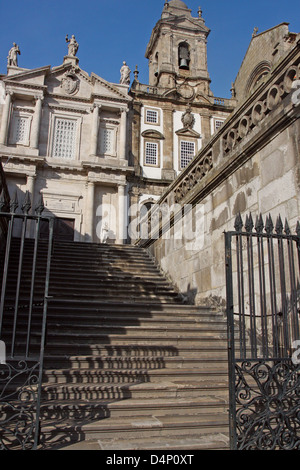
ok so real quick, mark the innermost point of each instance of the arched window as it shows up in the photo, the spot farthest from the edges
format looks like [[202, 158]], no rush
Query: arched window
[[261, 69], [184, 56]]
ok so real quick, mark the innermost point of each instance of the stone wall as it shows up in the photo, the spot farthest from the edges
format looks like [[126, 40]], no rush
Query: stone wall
[[251, 165]]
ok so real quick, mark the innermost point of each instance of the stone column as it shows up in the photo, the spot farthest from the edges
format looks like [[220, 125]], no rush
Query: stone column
[[95, 130], [168, 171], [5, 118], [123, 133], [89, 215], [30, 187], [122, 209], [36, 123]]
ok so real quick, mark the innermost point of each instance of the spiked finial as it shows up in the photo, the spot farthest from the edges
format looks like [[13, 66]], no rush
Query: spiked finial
[[287, 228], [249, 223], [39, 208], [298, 229], [269, 225], [238, 224], [27, 203], [259, 224], [279, 226], [2, 201], [14, 204]]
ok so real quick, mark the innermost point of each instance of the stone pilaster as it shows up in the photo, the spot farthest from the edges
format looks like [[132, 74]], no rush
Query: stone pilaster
[[123, 133], [168, 171], [122, 209], [5, 118], [89, 213], [95, 129], [36, 123]]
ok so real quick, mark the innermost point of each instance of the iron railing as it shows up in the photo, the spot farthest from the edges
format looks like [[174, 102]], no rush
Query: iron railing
[[25, 269], [263, 294]]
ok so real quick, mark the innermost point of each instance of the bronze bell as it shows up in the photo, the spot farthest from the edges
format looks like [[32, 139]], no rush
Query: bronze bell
[[183, 64]]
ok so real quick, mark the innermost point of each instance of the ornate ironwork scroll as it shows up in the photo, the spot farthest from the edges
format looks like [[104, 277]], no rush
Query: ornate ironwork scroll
[[18, 403], [23, 314], [263, 287], [268, 405]]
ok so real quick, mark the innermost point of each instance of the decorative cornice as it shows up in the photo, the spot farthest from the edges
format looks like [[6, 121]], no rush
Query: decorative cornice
[[57, 107], [153, 134]]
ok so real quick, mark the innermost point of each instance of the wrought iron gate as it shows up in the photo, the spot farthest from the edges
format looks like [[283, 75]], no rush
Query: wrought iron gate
[[263, 294], [23, 312]]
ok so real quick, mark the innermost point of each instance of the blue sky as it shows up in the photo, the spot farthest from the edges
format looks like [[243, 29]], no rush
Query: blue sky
[[110, 31]]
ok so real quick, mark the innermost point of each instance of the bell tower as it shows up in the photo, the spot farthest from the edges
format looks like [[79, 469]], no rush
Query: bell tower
[[177, 49]]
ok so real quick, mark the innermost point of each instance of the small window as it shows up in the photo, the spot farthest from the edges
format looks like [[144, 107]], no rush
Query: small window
[[20, 130], [151, 154], [64, 141], [107, 141], [187, 153], [151, 116], [218, 124]]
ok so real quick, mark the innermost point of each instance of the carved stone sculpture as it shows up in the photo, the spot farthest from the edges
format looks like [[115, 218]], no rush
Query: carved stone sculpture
[[125, 74], [188, 119], [70, 83], [12, 59], [72, 46]]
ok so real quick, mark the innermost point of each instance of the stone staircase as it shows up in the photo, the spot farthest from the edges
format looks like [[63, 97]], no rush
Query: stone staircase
[[127, 364]]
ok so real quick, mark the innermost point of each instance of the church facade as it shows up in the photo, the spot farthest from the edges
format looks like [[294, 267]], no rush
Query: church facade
[[63, 136], [100, 153]]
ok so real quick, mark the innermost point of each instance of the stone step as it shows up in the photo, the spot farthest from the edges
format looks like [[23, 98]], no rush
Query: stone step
[[124, 324], [162, 389], [157, 338], [131, 408], [116, 311], [213, 442], [134, 362], [123, 376], [147, 427], [126, 361]]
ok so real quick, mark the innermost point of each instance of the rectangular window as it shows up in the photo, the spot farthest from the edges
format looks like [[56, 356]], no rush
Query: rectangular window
[[218, 124], [187, 153], [151, 116], [151, 153], [107, 141], [64, 142], [20, 134]]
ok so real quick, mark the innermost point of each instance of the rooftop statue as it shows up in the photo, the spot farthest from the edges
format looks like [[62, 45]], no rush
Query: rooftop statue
[[12, 59], [125, 74], [72, 46]]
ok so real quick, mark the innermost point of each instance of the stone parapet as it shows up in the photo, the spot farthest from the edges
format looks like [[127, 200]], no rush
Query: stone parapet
[[250, 165]]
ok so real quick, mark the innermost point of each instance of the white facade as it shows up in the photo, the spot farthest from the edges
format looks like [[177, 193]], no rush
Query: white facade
[[63, 134]]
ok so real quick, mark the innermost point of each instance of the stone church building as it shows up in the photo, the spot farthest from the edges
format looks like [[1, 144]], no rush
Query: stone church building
[[134, 347], [94, 148], [103, 153]]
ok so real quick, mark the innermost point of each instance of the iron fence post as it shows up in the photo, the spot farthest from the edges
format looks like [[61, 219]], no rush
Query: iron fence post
[[230, 345]]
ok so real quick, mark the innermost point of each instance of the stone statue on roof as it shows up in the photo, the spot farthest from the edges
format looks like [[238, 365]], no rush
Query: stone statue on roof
[[125, 74], [72, 46], [12, 59]]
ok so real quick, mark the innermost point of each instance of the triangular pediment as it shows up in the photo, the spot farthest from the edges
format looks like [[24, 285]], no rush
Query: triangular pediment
[[202, 98], [26, 77], [66, 80], [190, 23], [106, 89], [187, 132]]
